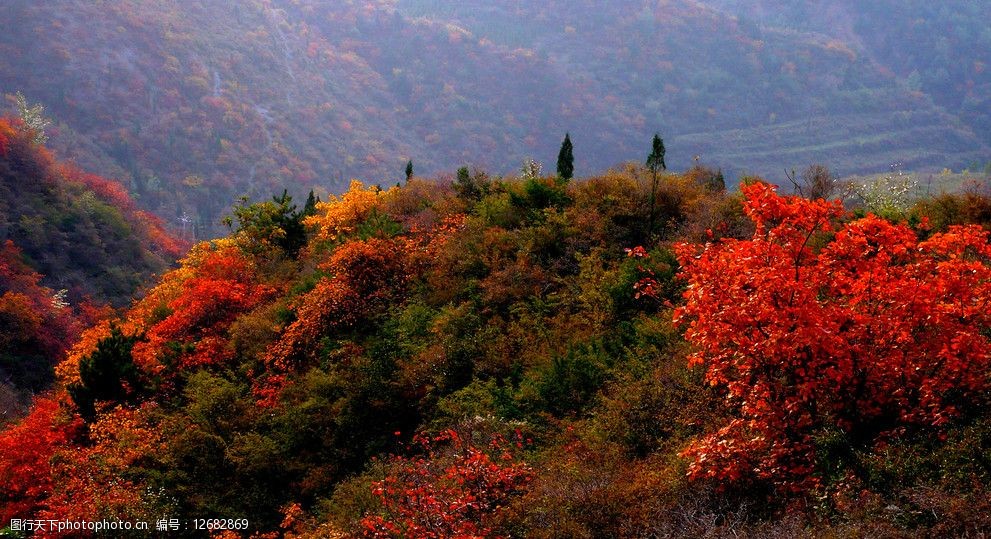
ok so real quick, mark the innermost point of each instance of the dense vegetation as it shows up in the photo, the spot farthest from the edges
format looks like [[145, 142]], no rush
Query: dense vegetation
[[194, 103], [637, 354], [633, 352], [71, 244]]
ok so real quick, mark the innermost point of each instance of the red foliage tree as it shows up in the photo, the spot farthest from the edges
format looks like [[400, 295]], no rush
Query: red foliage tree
[[6, 132], [92, 480], [35, 318], [25, 454], [224, 286], [866, 329], [435, 496]]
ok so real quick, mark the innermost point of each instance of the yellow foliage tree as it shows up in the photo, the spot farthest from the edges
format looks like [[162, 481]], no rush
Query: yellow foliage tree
[[339, 216]]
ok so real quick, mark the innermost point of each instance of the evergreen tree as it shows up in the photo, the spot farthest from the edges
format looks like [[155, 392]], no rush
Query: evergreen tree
[[108, 374], [655, 161], [566, 159], [719, 182], [277, 223], [311, 205], [471, 187], [409, 169], [291, 222]]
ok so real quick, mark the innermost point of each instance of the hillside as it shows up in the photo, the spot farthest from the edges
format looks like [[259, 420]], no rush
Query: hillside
[[71, 245], [748, 98], [495, 357], [194, 103], [940, 48], [81, 231]]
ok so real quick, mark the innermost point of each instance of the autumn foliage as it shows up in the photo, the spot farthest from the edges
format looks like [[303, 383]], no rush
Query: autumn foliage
[[814, 324], [79, 231], [35, 317], [6, 132], [224, 287], [364, 275], [159, 239], [448, 491], [339, 216], [380, 379], [26, 450]]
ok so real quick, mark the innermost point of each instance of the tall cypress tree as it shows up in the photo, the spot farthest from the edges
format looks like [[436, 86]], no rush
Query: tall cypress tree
[[409, 170], [566, 159], [311, 204], [655, 161]]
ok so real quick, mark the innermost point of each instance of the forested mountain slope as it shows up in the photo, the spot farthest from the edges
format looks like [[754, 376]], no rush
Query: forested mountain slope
[[940, 48], [194, 103], [81, 231], [740, 95], [71, 244], [534, 357]]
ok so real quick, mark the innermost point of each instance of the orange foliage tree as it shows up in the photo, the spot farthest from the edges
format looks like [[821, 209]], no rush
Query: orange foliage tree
[[338, 216], [812, 325], [364, 275], [183, 321], [93, 480]]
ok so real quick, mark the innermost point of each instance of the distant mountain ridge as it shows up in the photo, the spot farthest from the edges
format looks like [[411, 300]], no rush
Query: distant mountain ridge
[[194, 103], [773, 96]]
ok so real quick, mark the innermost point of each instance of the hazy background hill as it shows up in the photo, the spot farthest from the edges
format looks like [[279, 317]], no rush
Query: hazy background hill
[[940, 48], [192, 103]]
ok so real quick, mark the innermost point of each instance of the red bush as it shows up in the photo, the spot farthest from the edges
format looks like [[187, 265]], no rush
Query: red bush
[[868, 330], [437, 496]]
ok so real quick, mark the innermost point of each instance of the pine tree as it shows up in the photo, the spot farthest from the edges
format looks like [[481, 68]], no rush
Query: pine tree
[[471, 187], [719, 182], [409, 169], [566, 159], [108, 374], [277, 222], [285, 217]]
